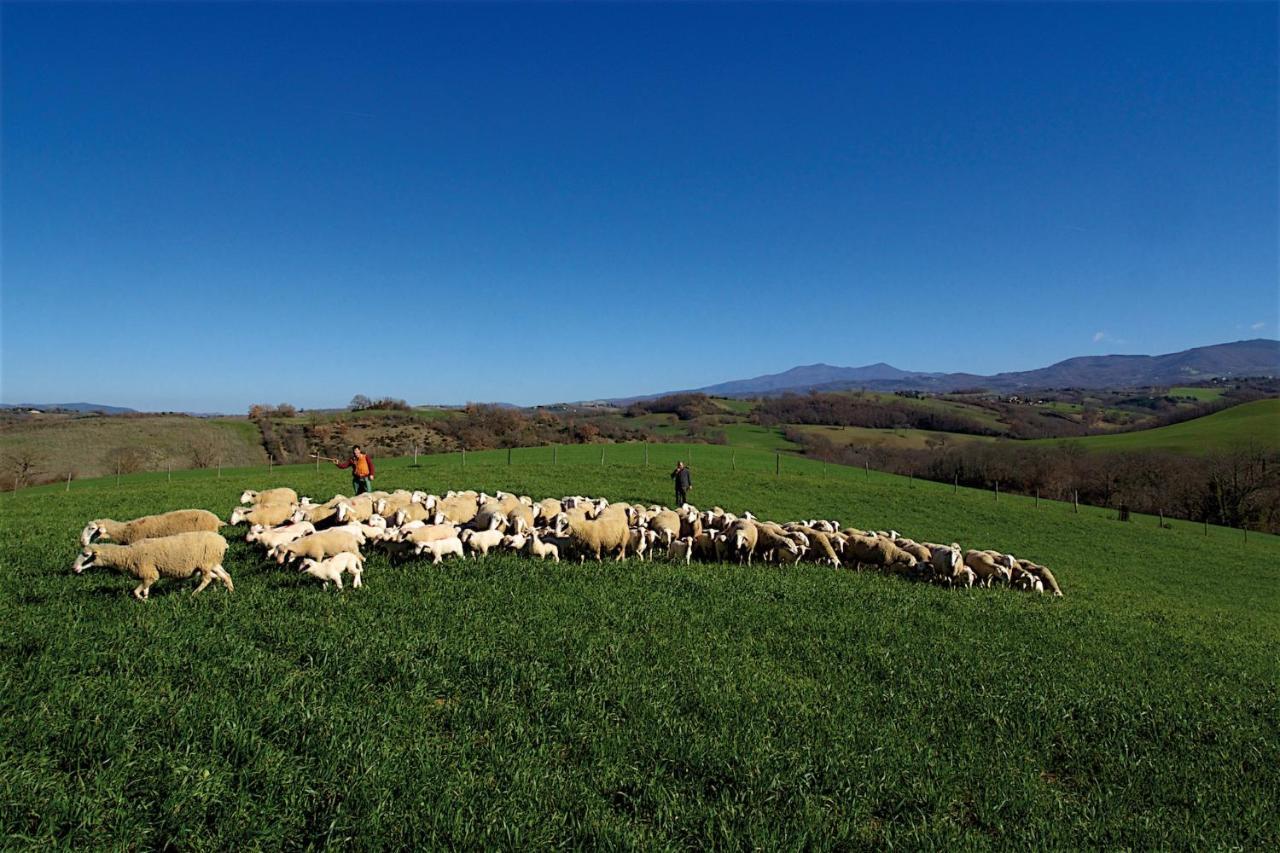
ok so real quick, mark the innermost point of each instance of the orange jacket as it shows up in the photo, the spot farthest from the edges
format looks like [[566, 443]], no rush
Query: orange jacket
[[363, 465]]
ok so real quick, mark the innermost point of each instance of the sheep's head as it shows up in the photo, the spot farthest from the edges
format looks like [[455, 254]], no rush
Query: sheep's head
[[255, 533], [376, 520], [85, 560], [380, 506], [92, 531], [307, 565], [248, 496], [344, 510]]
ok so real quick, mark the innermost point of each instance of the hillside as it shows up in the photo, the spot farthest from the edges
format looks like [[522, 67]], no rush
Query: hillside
[[510, 703], [1256, 423], [92, 446]]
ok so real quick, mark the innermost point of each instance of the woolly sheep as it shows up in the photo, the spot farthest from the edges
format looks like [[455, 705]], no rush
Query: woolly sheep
[[282, 495], [680, 550], [330, 570], [178, 556], [597, 537], [317, 546], [150, 526], [270, 538], [667, 525], [878, 551], [269, 515]]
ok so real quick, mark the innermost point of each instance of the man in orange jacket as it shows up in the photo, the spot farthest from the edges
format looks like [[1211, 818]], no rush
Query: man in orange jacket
[[361, 465]]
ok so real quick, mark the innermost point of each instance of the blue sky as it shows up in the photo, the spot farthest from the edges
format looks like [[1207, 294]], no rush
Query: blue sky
[[208, 206]]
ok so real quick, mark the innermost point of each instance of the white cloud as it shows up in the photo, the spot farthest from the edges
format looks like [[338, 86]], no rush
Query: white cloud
[[1099, 336], [1257, 327]]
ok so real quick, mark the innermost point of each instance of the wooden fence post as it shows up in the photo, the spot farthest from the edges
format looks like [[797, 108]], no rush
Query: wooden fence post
[[554, 453], [1075, 501], [777, 464], [219, 467], [1037, 497], [997, 490], [508, 455], [271, 464], [1162, 519], [464, 457], [117, 473], [170, 474], [68, 481], [602, 454], [955, 485], [866, 466], [415, 454], [733, 459]]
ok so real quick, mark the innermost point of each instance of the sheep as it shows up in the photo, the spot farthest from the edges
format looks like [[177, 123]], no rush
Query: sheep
[[481, 541], [680, 550], [547, 508], [520, 518], [441, 548], [743, 535], [986, 567], [771, 539], [150, 526], [459, 509], [178, 556], [514, 542], [489, 517], [537, 548], [915, 549], [355, 529], [1043, 574], [269, 515], [359, 508], [325, 514], [945, 560], [431, 533], [414, 512], [282, 495], [667, 525], [879, 552], [331, 569], [280, 535], [640, 541], [820, 543], [317, 546], [596, 537]]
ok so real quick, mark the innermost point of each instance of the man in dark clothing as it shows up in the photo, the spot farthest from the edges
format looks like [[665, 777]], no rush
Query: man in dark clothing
[[361, 465], [681, 476]]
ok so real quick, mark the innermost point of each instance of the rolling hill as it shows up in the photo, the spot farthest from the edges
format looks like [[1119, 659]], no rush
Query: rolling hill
[[1257, 423]]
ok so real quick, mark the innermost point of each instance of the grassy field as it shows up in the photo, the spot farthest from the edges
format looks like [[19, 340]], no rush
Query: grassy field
[[84, 446], [1257, 422], [514, 704], [913, 439]]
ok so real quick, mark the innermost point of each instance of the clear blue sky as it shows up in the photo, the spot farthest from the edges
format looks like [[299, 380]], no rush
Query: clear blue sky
[[208, 206]]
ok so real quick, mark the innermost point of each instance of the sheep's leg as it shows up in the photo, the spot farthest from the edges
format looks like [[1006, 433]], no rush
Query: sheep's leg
[[338, 580], [139, 591], [206, 575], [356, 583], [223, 576]]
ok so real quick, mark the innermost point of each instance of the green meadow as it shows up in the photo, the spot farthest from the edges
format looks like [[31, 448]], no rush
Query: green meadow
[[1256, 423], [510, 703]]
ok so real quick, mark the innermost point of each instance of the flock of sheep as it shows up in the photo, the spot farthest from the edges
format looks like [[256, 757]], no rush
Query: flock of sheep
[[324, 540]]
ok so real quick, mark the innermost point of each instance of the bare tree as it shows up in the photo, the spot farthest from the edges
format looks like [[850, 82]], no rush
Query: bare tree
[[21, 465]]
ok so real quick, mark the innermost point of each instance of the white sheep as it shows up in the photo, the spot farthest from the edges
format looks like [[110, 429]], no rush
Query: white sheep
[[330, 569], [177, 556], [441, 548], [481, 541]]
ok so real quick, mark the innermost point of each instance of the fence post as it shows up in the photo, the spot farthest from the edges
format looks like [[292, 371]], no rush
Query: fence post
[[602, 454], [219, 467], [171, 471], [777, 464], [1075, 501], [646, 454], [317, 461], [415, 455], [271, 464], [117, 473], [554, 453], [508, 455], [1037, 498], [733, 459], [1206, 525], [997, 490], [68, 481], [464, 457], [955, 484], [866, 466]]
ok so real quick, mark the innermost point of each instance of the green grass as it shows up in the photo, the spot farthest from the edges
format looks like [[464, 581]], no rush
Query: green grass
[[758, 437], [514, 704], [737, 407], [1257, 422], [914, 439]]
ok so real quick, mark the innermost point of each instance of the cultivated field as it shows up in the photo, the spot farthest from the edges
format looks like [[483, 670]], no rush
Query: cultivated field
[[508, 703]]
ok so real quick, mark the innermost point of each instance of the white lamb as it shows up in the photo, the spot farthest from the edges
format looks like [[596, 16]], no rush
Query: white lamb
[[330, 570]]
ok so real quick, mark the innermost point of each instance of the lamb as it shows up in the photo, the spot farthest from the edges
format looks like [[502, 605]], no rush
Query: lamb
[[680, 550], [514, 542], [317, 546], [270, 496], [150, 526], [178, 556], [481, 541], [330, 570], [441, 548], [640, 541], [537, 548], [269, 515], [279, 535]]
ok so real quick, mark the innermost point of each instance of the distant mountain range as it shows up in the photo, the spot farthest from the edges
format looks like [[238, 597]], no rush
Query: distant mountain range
[[71, 407], [1258, 357]]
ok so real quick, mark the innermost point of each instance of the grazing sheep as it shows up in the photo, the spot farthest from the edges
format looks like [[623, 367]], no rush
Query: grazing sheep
[[330, 570], [481, 541], [317, 546], [537, 548], [1042, 572], [270, 538], [414, 512], [879, 552], [321, 515], [547, 508], [268, 515], [986, 567], [773, 544], [178, 556], [280, 495], [359, 508], [459, 509], [431, 533], [441, 548], [520, 518], [820, 544], [150, 526], [514, 542]]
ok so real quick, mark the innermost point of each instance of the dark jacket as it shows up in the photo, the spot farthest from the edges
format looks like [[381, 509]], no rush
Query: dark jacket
[[681, 476]]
